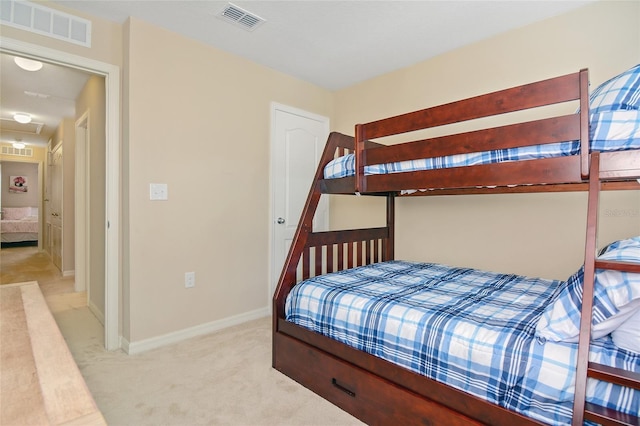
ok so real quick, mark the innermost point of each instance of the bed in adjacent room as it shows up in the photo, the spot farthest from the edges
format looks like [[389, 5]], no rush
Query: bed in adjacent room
[[19, 224]]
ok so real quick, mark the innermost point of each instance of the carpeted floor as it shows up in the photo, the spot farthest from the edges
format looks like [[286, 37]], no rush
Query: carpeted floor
[[26, 263], [224, 378]]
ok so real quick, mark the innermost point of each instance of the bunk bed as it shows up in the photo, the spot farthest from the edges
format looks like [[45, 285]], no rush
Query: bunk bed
[[365, 361]]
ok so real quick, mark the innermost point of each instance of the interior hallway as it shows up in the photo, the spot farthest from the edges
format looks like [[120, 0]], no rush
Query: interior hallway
[[26, 263]]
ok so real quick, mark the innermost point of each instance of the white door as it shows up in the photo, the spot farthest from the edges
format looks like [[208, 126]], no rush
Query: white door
[[55, 206], [298, 139]]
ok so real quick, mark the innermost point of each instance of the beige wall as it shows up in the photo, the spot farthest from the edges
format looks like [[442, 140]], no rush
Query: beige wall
[[539, 234], [199, 121], [31, 197], [92, 101]]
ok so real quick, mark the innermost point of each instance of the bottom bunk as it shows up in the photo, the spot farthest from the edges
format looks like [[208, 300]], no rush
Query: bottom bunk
[[368, 363], [483, 333]]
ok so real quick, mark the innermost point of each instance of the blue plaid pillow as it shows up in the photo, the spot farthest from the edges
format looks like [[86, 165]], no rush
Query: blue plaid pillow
[[619, 92], [616, 298]]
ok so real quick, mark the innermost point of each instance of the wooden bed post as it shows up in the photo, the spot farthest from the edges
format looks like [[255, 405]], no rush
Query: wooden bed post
[[584, 123], [389, 243], [587, 291], [585, 369], [361, 183]]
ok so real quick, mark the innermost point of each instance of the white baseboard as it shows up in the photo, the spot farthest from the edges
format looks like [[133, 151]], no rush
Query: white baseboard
[[98, 314], [132, 348], [71, 273]]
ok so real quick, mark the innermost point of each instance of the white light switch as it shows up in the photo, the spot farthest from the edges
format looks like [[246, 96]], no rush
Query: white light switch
[[158, 191]]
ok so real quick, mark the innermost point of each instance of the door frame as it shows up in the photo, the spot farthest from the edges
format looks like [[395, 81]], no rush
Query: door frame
[[80, 204], [274, 273], [111, 74]]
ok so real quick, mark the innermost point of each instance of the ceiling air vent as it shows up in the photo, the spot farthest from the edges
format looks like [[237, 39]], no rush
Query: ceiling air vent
[[40, 19], [240, 17]]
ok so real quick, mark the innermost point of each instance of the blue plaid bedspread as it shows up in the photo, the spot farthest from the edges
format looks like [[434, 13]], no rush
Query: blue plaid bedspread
[[470, 329], [609, 131]]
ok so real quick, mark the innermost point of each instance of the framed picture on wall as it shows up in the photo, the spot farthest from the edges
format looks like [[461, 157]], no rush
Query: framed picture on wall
[[18, 184]]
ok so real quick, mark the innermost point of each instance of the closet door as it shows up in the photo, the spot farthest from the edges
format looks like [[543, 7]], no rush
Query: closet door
[[55, 204]]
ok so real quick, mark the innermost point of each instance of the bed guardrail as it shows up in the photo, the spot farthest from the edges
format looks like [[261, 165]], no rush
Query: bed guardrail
[[334, 251], [558, 128]]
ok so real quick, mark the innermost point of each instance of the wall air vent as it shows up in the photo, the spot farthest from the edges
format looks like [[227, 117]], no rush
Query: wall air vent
[[240, 17], [40, 19], [24, 152]]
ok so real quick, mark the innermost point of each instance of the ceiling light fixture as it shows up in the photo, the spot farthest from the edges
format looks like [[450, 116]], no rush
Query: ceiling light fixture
[[22, 117], [19, 145], [28, 64]]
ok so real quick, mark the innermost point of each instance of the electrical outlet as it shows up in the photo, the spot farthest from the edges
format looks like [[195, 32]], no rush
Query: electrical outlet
[[189, 279]]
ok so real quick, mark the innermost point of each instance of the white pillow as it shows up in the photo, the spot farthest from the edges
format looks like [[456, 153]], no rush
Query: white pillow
[[616, 297], [614, 322], [15, 213], [627, 335]]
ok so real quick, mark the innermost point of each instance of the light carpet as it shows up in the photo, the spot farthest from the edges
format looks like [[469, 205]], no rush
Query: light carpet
[[224, 378]]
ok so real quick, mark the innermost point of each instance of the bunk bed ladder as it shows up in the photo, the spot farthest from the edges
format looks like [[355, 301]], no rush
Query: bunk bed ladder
[[583, 410], [314, 253]]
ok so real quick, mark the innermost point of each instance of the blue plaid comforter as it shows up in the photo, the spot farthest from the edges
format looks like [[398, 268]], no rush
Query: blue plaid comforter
[[470, 329], [609, 131]]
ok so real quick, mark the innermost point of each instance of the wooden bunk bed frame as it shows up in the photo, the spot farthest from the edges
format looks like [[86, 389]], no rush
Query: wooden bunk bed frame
[[377, 391]]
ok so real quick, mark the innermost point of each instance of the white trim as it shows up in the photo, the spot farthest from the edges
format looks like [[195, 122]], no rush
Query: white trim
[[41, 223], [132, 348], [81, 207], [71, 273], [111, 74], [274, 275]]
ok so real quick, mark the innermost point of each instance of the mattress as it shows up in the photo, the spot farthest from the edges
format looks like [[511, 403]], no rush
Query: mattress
[[608, 131], [17, 237], [470, 329], [25, 229]]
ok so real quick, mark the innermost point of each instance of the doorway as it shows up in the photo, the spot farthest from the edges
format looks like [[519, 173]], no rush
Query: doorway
[[28, 231], [297, 142], [111, 74]]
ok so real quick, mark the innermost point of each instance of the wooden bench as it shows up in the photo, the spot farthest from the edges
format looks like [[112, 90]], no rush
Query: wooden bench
[[40, 383]]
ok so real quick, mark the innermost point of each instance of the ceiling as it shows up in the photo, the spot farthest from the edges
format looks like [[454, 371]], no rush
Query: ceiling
[[48, 95], [333, 44]]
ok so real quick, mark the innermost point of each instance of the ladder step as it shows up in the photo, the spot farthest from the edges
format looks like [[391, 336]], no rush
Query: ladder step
[[618, 265], [607, 416], [614, 375]]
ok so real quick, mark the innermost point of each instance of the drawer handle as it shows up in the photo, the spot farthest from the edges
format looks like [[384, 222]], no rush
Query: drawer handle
[[335, 383]]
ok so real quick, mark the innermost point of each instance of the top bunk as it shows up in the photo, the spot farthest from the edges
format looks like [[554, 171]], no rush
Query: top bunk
[[534, 148]]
